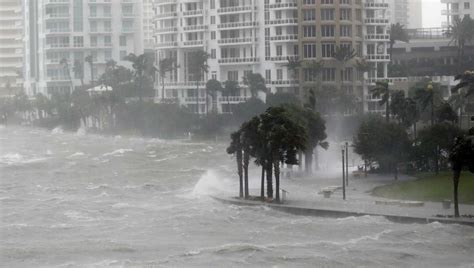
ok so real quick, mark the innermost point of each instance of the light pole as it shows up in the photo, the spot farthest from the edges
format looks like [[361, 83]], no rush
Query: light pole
[[347, 163], [343, 176]]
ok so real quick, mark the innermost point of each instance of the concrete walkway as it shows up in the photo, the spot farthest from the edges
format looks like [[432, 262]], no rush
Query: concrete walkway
[[304, 197]]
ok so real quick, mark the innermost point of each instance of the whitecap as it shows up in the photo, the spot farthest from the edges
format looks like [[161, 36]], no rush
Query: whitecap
[[118, 152], [57, 130], [76, 154]]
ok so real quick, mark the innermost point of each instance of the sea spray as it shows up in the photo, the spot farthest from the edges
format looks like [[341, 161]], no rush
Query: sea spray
[[213, 183]]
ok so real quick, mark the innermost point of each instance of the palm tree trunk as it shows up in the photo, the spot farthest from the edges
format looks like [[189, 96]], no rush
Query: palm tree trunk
[[276, 167], [162, 89], [239, 170], [262, 185], [309, 161], [432, 110], [414, 130], [387, 111], [207, 102], [197, 98], [456, 176], [92, 73], [300, 161], [269, 178], [246, 172]]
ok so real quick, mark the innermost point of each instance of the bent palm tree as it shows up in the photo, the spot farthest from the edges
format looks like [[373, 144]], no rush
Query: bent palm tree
[[381, 90], [235, 147], [165, 66], [198, 66], [397, 33], [212, 87], [65, 64], [461, 32]]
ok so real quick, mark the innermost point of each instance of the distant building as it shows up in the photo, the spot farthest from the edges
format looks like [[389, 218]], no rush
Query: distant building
[[11, 46], [457, 9], [148, 17], [406, 12], [73, 30], [243, 36]]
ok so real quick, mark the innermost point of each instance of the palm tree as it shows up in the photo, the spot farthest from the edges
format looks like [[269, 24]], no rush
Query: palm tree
[[462, 91], [362, 67], [381, 90], [461, 32], [235, 148], [462, 155], [89, 59], [294, 65], [255, 82], [342, 55], [166, 65], [143, 68], [230, 88], [426, 94], [78, 70], [284, 139], [411, 114], [212, 87], [197, 66], [397, 33], [65, 64]]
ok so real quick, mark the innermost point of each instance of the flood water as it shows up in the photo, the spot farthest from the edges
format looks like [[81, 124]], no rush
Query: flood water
[[80, 200]]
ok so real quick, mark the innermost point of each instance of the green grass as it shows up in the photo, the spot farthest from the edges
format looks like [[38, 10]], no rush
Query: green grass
[[430, 187]]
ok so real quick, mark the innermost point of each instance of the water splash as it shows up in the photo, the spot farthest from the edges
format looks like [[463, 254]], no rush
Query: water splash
[[57, 130], [212, 183]]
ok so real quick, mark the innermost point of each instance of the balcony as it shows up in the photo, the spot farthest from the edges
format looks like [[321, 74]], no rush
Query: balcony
[[375, 57], [192, 13], [193, 28], [238, 60], [237, 25], [235, 41], [284, 38], [236, 9], [184, 84], [233, 99], [285, 82], [376, 21], [56, 2], [57, 31], [167, 30], [165, 2], [167, 15], [282, 6], [376, 5], [377, 37], [282, 58], [57, 17], [289, 21], [194, 99], [167, 44], [193, 43]]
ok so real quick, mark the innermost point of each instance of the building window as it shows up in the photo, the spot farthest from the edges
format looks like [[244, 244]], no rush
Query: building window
[[233, 75], [328, 74], [327, 50], [327, 14], [309, 2], [107, 41], [93, 11], [213, 19], [213, 35], [309, 15], [346, 14], [107, 11], [279, 50], [309, 50], [123, 41], [327, 30], [107, 26], [213, 4], [327, 2], [93, 26], [93, 41], [279, 74], [78, 41], [309, 31], [278, 31], [108, 55], [346, 30], [213, 53], [467, 5], [123, 54], [268, 75]]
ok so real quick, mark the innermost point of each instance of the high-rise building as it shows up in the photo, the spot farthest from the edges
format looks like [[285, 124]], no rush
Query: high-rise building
[[148, 16], [457, 9], [406, 12], [61, 34], [243, 36], [11, 46]]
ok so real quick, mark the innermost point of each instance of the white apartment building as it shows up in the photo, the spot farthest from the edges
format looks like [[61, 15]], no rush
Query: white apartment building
[[456, 9], [148, 16], [73, 30], [259, 35], [406, 12], [11, 46]]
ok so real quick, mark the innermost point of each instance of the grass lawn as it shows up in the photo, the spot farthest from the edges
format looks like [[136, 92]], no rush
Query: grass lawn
[[430, 187]]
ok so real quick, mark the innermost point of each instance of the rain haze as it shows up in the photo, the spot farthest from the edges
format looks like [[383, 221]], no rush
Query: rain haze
[[236, 133]]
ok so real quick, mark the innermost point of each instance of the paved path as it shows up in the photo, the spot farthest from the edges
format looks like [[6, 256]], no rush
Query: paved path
[[304, 193]]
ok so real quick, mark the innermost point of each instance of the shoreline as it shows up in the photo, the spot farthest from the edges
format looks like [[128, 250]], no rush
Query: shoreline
[[341, 213]]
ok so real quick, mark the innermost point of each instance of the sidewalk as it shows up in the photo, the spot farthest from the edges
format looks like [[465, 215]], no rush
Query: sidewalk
[[304, 194]]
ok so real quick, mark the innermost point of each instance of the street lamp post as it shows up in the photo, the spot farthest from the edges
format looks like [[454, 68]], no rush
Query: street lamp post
[[343, 176], [347, 163]]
